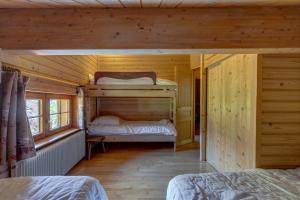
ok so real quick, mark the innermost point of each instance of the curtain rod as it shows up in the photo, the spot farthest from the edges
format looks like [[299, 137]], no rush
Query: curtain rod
[[8, 68]]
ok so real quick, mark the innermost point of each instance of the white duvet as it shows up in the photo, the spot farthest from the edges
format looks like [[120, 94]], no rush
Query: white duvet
[[255, 184], [162, 127], [134, 81], [51, 188]]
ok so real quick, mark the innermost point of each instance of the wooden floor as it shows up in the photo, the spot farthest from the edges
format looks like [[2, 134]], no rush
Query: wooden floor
[[140, 171]]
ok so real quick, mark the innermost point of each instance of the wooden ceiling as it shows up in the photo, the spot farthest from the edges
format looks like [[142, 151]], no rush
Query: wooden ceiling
[[142, 3]]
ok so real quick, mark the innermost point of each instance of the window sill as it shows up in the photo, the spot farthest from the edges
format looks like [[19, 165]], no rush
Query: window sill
[[54, 138]]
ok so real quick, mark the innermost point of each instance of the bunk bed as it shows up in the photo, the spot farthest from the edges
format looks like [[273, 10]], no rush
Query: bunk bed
[[130, 85]]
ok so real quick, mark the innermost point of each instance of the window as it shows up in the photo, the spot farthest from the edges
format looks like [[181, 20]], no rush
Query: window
[[35, 113], [59, 112], [48, 113]]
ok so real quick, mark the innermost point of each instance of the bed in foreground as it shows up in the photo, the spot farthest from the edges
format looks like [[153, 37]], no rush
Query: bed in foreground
[[249, 185], [52, 188]]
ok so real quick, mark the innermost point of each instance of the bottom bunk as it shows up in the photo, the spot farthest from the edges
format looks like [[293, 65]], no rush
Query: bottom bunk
[[114, 129]]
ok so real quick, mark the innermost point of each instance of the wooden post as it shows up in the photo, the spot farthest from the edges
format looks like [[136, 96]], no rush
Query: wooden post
[[174, 116], [203, 109], [87, 113], [174, 107]]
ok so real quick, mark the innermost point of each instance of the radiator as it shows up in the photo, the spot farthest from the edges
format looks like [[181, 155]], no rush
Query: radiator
[[56, 159]]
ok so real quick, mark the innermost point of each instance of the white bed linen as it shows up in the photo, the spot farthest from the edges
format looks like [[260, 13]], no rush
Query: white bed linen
[[51, 188], [134, 81], [165, 82], [116, 81], [162, 127], [254, 184]]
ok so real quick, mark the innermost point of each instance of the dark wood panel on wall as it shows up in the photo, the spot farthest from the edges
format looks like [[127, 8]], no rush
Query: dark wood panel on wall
[[194, 28], [279, 134]]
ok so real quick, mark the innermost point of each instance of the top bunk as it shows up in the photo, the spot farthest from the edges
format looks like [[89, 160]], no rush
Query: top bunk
[[130, 84]]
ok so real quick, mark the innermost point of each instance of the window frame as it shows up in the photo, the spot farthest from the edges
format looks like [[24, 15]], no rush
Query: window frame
[[45, 97], [57, 130], [34, 95]]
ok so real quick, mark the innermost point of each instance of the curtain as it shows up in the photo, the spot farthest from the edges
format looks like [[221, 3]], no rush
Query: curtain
[[16, 141], [80, 107]]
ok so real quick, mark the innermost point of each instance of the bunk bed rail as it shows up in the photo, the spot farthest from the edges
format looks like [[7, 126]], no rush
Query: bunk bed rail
[[130, 91]]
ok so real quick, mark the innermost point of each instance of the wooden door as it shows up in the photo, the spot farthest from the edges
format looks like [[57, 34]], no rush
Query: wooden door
[[184, 78]]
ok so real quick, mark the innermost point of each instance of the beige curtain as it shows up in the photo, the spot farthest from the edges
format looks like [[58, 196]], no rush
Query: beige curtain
[[16, 142], [80, 107]]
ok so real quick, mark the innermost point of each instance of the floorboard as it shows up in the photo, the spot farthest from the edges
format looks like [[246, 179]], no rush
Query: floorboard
[[137, 171]]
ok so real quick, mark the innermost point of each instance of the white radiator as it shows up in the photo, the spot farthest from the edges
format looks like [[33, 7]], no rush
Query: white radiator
[[56, 159]]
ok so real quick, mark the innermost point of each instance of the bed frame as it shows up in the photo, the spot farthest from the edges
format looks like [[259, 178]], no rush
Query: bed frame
[[158, 91]]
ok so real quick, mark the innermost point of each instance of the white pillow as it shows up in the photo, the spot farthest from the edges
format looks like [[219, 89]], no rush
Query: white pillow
[[106, 120]]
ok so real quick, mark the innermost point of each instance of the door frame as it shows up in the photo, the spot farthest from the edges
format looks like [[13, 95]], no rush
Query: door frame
[[203, 109], [193, 99]]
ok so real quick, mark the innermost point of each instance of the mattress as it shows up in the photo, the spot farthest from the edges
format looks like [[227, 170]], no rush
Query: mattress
[[52, 188], [135, 81], [163, 127], [249, 185]]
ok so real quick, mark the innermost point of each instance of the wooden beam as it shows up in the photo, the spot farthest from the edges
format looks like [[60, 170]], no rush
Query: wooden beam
[[195, 28]]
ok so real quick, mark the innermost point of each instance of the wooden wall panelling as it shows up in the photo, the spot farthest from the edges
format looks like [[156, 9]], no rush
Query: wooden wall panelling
[[278, 144], [90, 111], [213, 59], [232, 113], [37, 84], [195, 60], [69, 69], [75, 112], [214, 98], [163, 65], [65, 67], [231, 28]]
